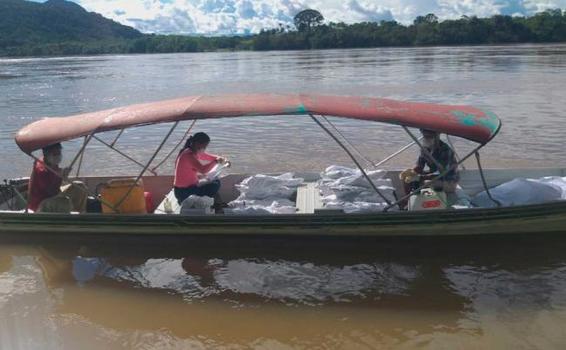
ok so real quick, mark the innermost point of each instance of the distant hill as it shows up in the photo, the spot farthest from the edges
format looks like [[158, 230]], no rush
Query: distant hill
[[25, 23]]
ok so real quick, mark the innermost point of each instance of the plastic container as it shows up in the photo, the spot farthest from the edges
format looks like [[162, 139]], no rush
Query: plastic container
[[427, 199], [149, 205], [113, 192]]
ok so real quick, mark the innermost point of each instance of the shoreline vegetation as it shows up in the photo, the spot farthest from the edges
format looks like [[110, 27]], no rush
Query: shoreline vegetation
[[62, 28]]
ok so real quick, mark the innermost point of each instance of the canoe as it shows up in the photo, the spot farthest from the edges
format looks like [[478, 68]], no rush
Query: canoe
[[546, 218], [473, 124]]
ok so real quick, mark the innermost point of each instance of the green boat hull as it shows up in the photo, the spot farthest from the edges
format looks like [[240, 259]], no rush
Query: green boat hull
[[544, 218]]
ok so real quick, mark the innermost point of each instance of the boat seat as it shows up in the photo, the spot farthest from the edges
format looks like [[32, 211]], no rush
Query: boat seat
[[308, 198]]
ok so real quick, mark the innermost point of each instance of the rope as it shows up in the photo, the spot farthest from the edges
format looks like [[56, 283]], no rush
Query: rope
[[482, 175]]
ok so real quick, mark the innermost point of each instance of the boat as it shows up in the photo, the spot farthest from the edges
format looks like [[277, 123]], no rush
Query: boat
[[466, 122]]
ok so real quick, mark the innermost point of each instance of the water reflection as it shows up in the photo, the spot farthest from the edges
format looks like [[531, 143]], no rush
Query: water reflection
[[398, 293]]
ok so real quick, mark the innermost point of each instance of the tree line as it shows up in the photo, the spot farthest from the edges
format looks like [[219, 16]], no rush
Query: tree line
[[310, 32]]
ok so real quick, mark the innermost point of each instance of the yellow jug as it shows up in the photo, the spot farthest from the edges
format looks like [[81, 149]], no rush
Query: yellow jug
[[115, 190]]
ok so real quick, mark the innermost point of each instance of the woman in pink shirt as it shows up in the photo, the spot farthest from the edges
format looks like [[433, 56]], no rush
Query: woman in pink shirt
[[193, 162]]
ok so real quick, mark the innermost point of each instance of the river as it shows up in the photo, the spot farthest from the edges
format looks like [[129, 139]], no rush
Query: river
[[488, 293]]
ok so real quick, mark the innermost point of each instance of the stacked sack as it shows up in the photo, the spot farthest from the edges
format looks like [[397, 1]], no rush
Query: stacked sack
[[347, 189], [264, 194], [524, 192]]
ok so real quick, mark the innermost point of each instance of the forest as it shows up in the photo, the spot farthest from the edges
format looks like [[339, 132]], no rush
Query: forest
[[82, 33]]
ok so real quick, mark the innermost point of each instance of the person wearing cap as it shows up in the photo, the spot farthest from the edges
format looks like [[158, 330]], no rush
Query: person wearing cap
[[426, 169]]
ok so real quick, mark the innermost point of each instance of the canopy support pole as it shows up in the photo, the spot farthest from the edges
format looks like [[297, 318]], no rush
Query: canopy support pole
[[369, 161], [375, 165], [174, 148], [353, 159], [81, 160], [81, 151], [121, 153], [117, 205], [484, 182], [117, 137], [396, 153]]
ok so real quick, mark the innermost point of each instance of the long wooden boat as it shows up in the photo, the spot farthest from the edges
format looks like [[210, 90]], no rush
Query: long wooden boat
[[461, 121]]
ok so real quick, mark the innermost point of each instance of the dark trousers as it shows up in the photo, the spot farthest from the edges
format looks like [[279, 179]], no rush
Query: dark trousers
[[209, 190]]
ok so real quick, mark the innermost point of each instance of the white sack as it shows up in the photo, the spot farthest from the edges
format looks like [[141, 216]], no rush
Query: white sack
[[255, 207], [356, 207], [264, 194], [348, 189], [264, 186], [197, 202], [521, 192]]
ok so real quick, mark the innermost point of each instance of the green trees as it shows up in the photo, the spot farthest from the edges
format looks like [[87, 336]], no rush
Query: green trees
[[426, 30], [548, 26], [308, 19], [58, 27]]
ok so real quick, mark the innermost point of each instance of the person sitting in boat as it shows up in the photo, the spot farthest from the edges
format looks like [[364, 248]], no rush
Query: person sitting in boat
[[192, 164], [443, 156], [45, 193]]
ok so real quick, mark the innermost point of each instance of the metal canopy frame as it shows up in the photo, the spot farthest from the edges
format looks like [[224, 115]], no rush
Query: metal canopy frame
[[415, 141], [145, 167], [424, 150], [353, 158]]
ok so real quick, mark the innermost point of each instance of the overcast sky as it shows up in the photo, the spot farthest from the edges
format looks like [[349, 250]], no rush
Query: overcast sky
[[245, 16]]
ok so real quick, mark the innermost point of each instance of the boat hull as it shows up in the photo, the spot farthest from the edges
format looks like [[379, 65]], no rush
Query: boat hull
[[532, 219]]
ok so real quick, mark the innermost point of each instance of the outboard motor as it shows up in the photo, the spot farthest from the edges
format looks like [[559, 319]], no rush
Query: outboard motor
[[428, 199]]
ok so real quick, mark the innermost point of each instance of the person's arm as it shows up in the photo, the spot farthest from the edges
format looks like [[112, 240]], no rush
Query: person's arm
[[214, 158], [196, 164], [208, 157], [421, 163]]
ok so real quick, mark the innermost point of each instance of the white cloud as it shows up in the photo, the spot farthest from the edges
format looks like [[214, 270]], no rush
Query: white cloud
[[244, 16]]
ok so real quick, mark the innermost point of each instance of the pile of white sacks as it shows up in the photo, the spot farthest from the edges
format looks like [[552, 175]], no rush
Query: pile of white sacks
[[264, 194], [347, 189], [340, 187]]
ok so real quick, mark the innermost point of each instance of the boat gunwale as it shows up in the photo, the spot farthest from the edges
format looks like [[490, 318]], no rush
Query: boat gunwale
[[556, 207]]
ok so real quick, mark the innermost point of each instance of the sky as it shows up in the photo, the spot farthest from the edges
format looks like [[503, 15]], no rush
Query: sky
[[214, 17]]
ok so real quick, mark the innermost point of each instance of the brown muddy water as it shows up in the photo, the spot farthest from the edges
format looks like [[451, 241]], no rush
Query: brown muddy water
[[427, 294]]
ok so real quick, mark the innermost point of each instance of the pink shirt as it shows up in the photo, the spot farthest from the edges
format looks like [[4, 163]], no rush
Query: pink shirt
[[188, 166]]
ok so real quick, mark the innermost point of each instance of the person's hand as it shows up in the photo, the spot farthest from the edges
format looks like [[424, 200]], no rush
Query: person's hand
[[223, 161], [408, 175]]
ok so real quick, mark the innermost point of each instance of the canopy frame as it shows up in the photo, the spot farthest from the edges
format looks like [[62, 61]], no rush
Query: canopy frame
[[123, 154], [360, 167], [424, 150], [463, 121], [146, 167], [387, 111]]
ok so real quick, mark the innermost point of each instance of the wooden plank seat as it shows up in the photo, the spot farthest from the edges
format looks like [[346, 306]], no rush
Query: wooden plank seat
[[308, 198]]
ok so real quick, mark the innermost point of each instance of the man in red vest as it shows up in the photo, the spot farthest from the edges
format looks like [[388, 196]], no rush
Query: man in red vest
[[46, 177]]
